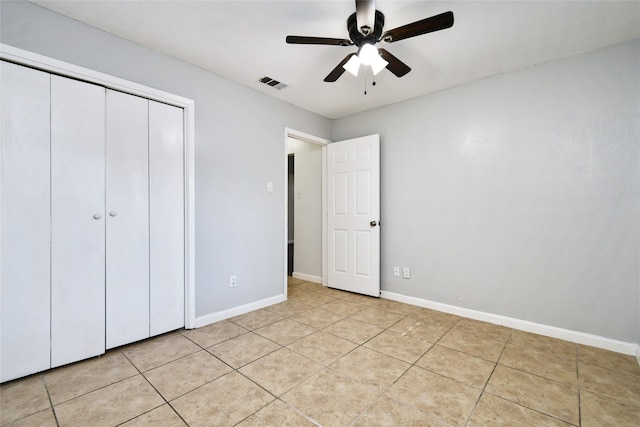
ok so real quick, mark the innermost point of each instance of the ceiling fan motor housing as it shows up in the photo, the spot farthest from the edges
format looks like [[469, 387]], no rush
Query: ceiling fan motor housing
[[358, 38]]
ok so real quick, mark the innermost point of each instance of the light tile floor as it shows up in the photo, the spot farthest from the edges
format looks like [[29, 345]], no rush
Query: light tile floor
[[332, 358]]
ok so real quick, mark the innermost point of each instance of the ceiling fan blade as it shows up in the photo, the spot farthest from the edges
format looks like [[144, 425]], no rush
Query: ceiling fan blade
[[337, 72], [424, 26], [365, 16], [318, 40], [394, 65]]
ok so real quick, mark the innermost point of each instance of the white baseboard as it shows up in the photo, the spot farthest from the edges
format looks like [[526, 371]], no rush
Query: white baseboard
[[307, 277], [523, 325], [236, 311]]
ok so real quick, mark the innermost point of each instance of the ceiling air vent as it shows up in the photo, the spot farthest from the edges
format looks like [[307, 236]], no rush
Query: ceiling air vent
[[272, 82]]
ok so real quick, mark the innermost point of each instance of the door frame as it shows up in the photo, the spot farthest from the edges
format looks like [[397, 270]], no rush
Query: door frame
[[54, 66], [303, 136]]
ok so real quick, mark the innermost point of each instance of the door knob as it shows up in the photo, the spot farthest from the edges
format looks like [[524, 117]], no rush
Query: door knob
[[97, 216], [373, 223], [113, 213]]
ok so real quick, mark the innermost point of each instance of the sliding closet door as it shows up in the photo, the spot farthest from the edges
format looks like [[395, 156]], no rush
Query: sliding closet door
[[24, 341], [77, 220], [127, 216], [166, 215]]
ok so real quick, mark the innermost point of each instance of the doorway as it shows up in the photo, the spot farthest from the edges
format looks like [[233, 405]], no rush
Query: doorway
[[304, 241], [290, 211]]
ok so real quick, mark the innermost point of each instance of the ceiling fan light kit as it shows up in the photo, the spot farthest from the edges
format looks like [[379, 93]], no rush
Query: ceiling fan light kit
[[365, 38], [368, 56]]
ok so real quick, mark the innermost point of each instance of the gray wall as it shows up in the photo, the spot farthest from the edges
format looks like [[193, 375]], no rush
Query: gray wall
[[519, 195], [239, 147]]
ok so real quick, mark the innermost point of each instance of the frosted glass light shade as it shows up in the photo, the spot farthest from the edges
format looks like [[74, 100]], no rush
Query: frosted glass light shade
[[369, 56], [353, 65], [378, 65]]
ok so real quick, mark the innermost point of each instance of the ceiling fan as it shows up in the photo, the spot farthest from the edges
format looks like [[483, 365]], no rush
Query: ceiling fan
[[365, 30]]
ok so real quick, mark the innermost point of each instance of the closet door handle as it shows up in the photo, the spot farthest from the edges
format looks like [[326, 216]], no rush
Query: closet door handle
[[113, 213], [97, 216]]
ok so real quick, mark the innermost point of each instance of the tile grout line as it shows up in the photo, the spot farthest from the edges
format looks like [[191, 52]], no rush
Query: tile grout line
[[237, 370], [276, 398], [152, 386], [411, 365], [578, 384], [495, 365], [414, 365], [53, 409], [164, 364], [527, 373], [383, 393], [90, 391]]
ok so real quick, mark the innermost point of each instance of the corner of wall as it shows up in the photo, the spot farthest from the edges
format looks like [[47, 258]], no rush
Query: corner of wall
[[237, 311]]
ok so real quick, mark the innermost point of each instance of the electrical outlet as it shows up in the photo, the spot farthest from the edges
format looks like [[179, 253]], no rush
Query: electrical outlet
[[232, 281], [406, 273], [396, 271]]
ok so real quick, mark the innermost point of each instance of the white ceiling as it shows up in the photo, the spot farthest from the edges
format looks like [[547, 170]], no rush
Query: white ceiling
[[245, 40]]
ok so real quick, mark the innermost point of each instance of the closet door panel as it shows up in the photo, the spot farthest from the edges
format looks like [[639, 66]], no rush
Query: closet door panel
[[77, 220], [25, 282], [127, 217], [166, 215]]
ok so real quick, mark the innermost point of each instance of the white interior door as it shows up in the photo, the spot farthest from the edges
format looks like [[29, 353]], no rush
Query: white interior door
[[77, 220], [166, 210], [25, 283], [353, 215], [127, 219]]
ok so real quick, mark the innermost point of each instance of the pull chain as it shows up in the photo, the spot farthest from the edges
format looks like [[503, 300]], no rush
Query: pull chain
[[373, 77], [373, 83]]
